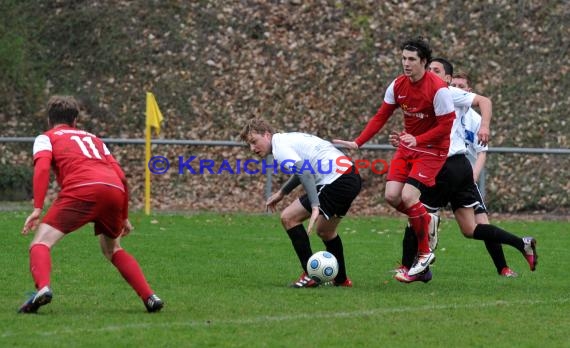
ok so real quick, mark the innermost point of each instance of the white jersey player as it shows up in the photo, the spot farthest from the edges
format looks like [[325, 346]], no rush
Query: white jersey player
[[329, 179]]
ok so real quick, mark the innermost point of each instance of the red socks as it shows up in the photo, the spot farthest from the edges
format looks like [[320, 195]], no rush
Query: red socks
[[132, 272], [419, 220], [40, 265]]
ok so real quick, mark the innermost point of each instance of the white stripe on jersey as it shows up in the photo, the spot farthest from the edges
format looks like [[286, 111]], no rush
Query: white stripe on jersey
[[73, 131], [42, 143], [389, 95], [106, 150]]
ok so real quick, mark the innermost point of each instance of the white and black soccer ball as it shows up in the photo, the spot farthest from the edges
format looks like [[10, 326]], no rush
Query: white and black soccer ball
[[322, 267]]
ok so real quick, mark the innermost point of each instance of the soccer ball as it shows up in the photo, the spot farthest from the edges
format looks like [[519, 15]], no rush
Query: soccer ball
[[322, 267]]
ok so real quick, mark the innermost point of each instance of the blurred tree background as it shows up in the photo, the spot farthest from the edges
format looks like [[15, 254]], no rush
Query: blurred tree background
[[314, 66]]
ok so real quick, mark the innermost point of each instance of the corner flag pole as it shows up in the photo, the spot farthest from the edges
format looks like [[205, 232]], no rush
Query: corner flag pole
[[147, 171], [153, 120]]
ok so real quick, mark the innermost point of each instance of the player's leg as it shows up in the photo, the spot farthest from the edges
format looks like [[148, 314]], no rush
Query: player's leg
[[292, 218], [495, 250], [419, 220], [131, 271], [40, 253], [40, 266], [335, 201], [64, 216], [108, 227], [487, 232], [431, 198], [326, 229], [423, 169]]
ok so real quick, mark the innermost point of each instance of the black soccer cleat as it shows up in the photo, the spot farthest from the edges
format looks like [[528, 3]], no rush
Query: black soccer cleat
[[38, 299], [153, 304]]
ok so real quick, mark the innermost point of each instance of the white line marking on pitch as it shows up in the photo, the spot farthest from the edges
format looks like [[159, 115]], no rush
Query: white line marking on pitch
[[265, 319]]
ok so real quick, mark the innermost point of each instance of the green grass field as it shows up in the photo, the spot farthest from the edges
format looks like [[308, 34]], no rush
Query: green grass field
[[224, 280]]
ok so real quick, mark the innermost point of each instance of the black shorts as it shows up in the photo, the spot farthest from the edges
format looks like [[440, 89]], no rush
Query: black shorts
[[480, 208], [336, 197], [454, 185]]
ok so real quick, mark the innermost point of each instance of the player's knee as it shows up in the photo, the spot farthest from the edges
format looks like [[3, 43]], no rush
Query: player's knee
[[107, 253], [467, 233], [326, 235], [288, 221], [393, 199]]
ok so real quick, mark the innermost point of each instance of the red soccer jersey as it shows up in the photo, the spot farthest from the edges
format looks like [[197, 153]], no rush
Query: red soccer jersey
[[77, 157], [421, 102]]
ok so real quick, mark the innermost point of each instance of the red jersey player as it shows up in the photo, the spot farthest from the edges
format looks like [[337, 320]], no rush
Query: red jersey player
[[428, 116], [93, 189]]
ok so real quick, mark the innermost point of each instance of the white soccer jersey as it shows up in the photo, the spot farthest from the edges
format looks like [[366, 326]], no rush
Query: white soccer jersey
[[318, 156], [462, 101], [471, 122]]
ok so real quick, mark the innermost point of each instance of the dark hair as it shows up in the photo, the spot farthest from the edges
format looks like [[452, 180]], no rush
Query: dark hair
[[255, 125], [420, 45], [447, 66], [62, 109]]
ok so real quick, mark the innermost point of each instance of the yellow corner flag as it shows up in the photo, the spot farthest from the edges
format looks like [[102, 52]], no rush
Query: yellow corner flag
[[153, 114], [153, 120]]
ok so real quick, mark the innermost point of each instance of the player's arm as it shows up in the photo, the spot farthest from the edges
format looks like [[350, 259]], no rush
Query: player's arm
[[42, 166], [307, 179], [123, 178], [479, 165], [290, 184], [304, 178], [486, 108], [376, 123], [42, 163], [121, 174]]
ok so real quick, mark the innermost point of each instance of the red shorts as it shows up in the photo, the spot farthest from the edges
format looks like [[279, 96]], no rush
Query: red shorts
[[98, 203], [422, 166]]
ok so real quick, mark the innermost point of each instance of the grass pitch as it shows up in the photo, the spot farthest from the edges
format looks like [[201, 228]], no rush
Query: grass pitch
[[224, 279]]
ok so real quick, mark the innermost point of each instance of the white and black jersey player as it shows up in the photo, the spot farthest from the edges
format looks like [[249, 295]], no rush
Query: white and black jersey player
[[455, 185], [330, 182]]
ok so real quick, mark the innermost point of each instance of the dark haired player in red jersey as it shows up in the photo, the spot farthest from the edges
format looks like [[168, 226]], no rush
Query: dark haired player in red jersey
[[93, 189], [428, 116]]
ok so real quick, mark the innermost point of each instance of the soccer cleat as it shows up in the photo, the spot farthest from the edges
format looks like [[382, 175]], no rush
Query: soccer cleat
[[530, 252], [406, 278], [38, 299], [433, 235], [508, 273], [304, 282], [400, 269], [153, 304], [421, 263], [347, 283]]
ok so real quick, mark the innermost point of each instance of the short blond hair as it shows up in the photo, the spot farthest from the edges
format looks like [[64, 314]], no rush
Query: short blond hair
[[255, 125], [462, 74]]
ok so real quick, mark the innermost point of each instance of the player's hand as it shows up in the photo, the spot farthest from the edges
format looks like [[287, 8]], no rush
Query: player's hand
[[348, 144], [483, 136], [127, 227], [32, 221], [272, 201], [394, 138], [408, 139], [313, 219]]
